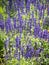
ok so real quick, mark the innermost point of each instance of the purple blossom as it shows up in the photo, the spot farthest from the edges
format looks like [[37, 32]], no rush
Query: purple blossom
[[40, 35], [2, 24], [18, 4], [6, 43], [48, 37], [23, 24], [36, 30], [33, 1], [32, 15], [15, 6], [34, 22], [15, 23], [20, 29], [29, 52], [17, 55], [39, 6], [20, 21], [22, 6], [28, 5], [43, 6], [22, 51], [8, 25], [38, 51], [17, 42], [45, 34], [40, 14], [30, 23]]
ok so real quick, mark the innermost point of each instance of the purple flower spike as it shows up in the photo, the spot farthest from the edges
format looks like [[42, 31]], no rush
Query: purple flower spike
[[15, 23], [34, 22], [8, 25], [7, 42], [48, 37], [36, 30], [45, 34], [17, 42], [29, 52], [22, 5], [38, 51], [30, 23], [2, 24], [28, 5], [22, 51], [17, 55], [33, 1], [20, 30], [40, 34]]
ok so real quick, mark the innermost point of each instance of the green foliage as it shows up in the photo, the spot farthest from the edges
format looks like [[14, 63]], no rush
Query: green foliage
[[1, 50]]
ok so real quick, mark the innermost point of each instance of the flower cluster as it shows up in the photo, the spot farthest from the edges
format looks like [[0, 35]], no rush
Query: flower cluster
[[38, 32]]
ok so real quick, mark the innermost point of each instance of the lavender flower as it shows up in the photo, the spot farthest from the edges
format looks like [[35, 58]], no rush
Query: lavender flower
[[39, 6], [18, 4], [20, 22], [8, 25], [20, 29], [45, 34], [36, 30], [7, 41], [15, 6], [29, 52], [15, 23], [22, 6], [28, 5], [17, 54], [48, 37], [40, 35], [22, 51], [33, 1], [34, 22], [40, 14], [2, 24], [38, 51], [30, 23], [17, 42]]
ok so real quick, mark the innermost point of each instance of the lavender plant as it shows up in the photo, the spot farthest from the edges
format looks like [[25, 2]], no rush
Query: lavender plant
[[26, 40]]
